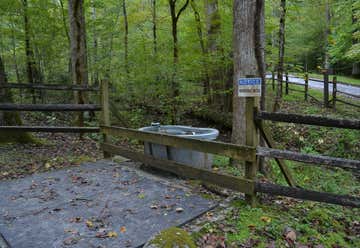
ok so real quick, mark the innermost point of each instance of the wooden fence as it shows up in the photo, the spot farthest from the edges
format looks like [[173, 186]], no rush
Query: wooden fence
[[49, 108], [325, 102], [248, 185]]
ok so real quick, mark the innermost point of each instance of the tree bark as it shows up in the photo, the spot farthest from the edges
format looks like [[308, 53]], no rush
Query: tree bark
[[213, 26], [9, 118], [78, 51], [280, 69], [206, 84], [175, 87], [356, 65], [95, 79], [154, 27], [33, 74], [245, 61], [327, 33]]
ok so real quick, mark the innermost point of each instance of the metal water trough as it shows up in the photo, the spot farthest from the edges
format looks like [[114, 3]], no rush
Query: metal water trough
[[183, 156]]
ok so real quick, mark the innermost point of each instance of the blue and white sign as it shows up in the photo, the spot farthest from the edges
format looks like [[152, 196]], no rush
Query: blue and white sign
[[249, 87]]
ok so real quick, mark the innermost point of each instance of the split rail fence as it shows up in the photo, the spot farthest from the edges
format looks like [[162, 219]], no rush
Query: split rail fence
[[49, 108], [325, 102], [248, 184]]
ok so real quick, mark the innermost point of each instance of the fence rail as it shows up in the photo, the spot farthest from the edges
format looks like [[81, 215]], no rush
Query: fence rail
[[235, 183], [299, 193], [309, 120], [247, 186], [49, 107], [245, 153], [48, 87], [326, 102], [48, 129], [308, 158]]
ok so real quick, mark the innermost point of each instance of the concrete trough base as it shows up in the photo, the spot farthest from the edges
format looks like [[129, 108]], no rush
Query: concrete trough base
[[84, 206]]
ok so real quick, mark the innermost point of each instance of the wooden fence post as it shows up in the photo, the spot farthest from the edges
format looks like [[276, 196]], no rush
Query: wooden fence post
[[326, 88], [252, 139], [273, 79], [334, 92], [286, 83], [306, 86], [105, 113]]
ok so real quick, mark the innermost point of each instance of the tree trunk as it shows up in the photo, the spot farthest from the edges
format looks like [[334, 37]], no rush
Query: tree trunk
[[206, 84], [356, 65], [213, 25], [13, 42], [126, 38], [78, 51], [33, 74], [154, 28], [280, 69], [175, 87], [8, 118], [95, 79], [246, 60], [327, 33]]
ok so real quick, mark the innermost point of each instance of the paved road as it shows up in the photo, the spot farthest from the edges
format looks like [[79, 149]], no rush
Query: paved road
[[315, 84]]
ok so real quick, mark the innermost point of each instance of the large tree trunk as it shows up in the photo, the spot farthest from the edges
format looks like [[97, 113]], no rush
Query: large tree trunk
[[175, 87], [280, 69], [9, 118], [246, 59], [206, 79], [78, 51]]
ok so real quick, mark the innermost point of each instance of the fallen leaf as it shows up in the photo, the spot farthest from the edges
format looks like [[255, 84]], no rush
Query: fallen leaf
[[266, 219], [112, 234], [89, 223], [122, 229], [76, 220]]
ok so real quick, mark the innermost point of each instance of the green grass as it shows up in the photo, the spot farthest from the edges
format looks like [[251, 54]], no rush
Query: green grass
[[315, 223]]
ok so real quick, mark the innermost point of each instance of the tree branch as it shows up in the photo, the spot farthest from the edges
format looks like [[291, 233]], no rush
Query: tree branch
[[182, 9]]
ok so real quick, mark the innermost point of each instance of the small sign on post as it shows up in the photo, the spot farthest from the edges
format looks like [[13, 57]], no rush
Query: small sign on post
[[249, 87]]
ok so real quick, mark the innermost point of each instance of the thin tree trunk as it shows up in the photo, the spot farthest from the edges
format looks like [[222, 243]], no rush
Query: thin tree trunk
[[213, 22], [327, 33], [126, 38], [13, 42], [356, 65], [280, 68], [66, 30], [175, 87], [78, 51], [33, 75], [154, 28], [95, 79], [206, 84]]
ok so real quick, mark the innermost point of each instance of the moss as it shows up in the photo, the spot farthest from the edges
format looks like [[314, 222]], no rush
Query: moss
[[13, 119], [173, 237]]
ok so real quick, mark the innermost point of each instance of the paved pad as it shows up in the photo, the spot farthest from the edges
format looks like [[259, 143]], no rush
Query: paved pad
[[100, 204]]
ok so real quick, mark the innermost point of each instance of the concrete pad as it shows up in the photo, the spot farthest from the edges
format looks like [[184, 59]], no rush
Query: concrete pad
[[83, 206]]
